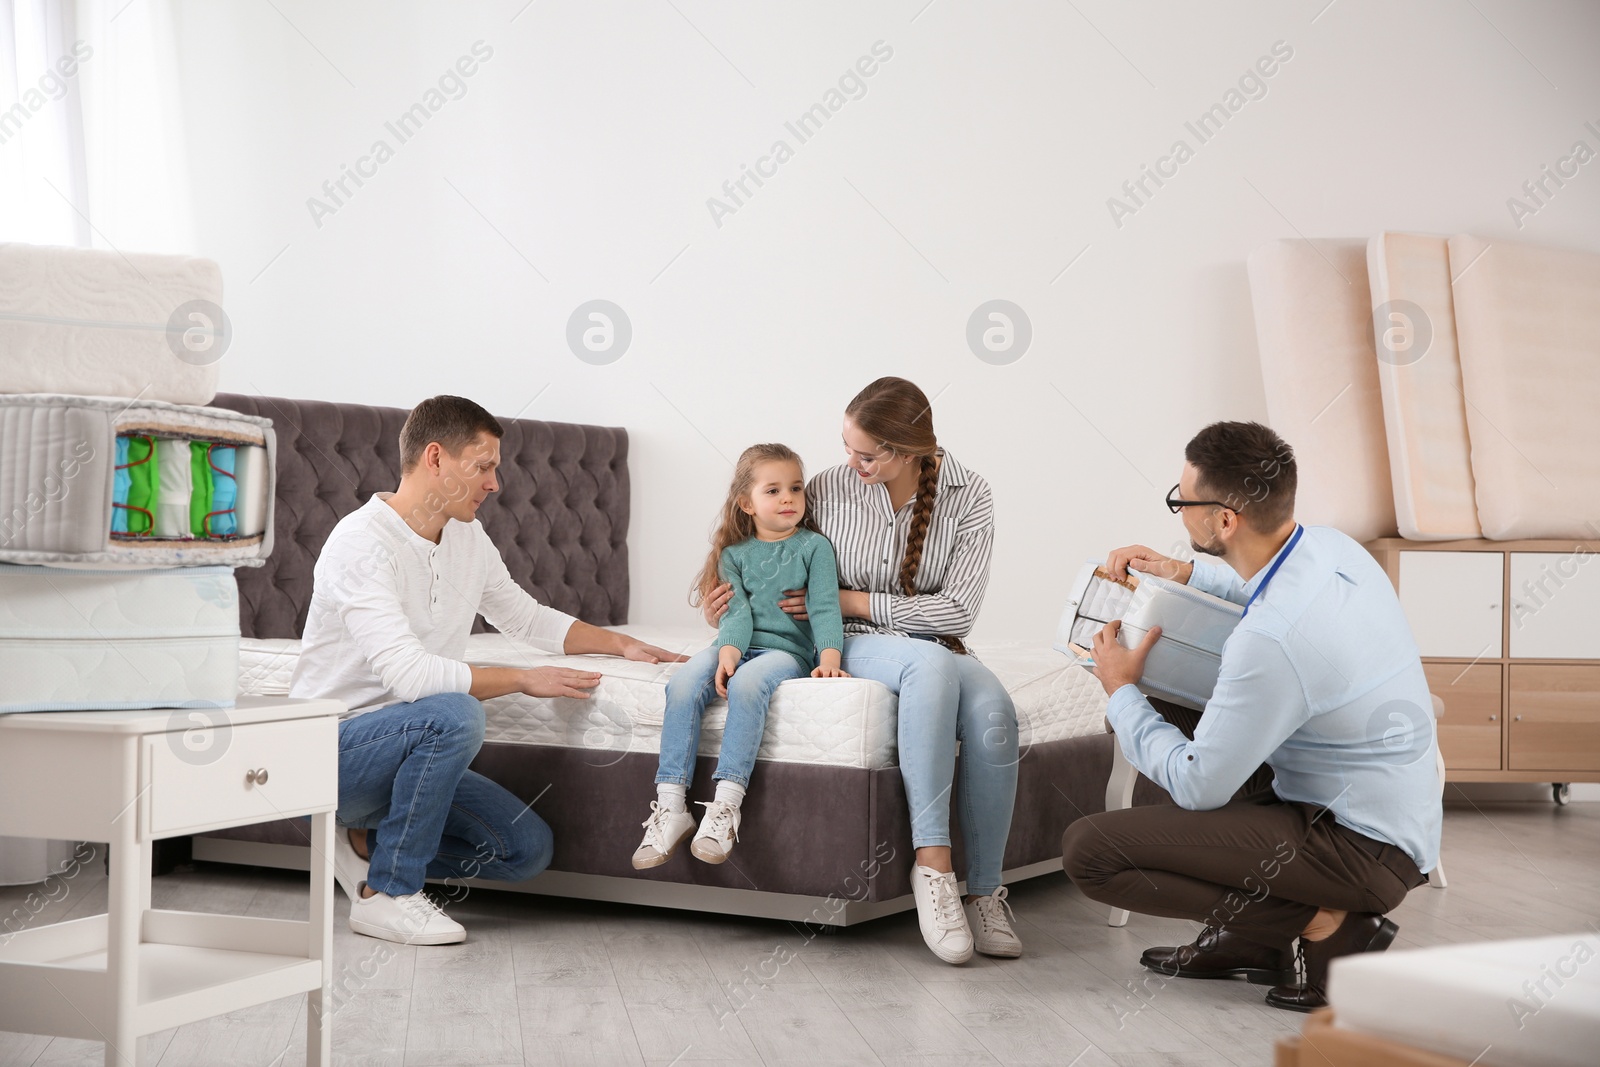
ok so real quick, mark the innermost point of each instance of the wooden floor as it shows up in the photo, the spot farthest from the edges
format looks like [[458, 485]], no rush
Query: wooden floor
[[556, 982]]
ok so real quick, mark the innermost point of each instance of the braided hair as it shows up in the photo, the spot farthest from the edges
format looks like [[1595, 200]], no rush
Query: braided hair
[[898, 415]]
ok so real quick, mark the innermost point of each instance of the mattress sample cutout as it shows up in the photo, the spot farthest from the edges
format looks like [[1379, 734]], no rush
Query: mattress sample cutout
[[1184, 664], [1419, 374], [95, 323], [1529, 326], [104, 481], [1314, 332], [76, 640]]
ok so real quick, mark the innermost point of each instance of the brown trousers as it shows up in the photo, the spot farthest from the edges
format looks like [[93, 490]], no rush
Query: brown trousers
[[1258, 865]]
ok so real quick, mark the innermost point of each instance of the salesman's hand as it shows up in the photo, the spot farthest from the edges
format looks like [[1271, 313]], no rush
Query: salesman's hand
[[634, 649], [558, 682], [1139, 558], [1116, 666]]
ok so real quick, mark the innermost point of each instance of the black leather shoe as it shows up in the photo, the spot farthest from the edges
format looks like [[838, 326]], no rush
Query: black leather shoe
[[1360, 932], [1217, 953]]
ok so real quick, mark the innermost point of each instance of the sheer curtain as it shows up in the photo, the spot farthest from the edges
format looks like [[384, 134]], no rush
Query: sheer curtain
[[91, 155], [92, 150]]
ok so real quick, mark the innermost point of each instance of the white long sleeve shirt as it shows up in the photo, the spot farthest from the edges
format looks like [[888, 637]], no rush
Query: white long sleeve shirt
[[391, 611]]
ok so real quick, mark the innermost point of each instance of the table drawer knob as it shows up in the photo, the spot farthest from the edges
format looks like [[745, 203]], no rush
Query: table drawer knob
[[256, 777]]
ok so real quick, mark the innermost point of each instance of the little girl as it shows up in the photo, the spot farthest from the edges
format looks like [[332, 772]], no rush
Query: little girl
[[763, 545]]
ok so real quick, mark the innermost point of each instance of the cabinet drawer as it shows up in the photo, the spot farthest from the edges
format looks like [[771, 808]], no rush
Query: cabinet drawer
[[197, 780], [1555, 605], [1469, 729], [1555, 718], [1452, 601]]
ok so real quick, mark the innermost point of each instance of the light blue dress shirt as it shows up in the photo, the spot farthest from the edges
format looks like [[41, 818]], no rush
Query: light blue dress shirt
[[1322, 681]]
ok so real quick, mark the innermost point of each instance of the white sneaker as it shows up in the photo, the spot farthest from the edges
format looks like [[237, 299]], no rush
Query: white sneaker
[[349, 869], [664, 831], [718, 831], [990, 920], [944, 924], [413, 919]]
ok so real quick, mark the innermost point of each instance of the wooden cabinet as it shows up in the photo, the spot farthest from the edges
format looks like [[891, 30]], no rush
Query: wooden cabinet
[[1509, 633], [1555, 717], [1469, 729]]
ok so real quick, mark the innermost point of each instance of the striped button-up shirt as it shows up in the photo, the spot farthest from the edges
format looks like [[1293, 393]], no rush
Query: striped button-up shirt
[[869, 541]]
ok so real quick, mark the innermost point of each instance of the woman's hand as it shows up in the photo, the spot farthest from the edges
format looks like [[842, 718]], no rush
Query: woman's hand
[[828, 672], [855, 604], [727, 662], [794, 603], [1148, 560], [715, 606]]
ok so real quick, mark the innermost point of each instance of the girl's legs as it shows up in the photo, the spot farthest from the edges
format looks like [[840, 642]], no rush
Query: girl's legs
[[987, 727], [749, 692], [690, 689], [688, 692]]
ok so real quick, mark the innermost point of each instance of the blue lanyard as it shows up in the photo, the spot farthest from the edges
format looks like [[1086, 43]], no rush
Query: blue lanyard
[[1293, 540]]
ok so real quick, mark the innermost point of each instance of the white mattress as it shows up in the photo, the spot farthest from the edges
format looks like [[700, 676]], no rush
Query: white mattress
[[98, 322], [1419, 371], [1320, 373], [831, 722], [1529, 326], [72, 640], [1531, 1002]]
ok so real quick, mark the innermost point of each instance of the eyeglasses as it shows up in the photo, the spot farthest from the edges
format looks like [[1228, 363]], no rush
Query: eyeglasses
[[1174, 504]]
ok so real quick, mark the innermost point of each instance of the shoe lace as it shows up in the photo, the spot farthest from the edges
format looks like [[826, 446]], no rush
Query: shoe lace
[[994, 913], [421, 908], [719, 818], [655, 827], [947, 912]]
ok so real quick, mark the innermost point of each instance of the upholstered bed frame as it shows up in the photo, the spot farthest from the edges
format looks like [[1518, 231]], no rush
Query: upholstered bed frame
[[823, 844]]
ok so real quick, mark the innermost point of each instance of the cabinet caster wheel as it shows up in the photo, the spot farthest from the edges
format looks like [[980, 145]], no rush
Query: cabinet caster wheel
[[1561, 793]]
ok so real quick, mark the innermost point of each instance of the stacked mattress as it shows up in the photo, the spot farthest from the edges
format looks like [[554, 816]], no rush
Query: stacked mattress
[[821, 721], [1414, 375], [122, 516]]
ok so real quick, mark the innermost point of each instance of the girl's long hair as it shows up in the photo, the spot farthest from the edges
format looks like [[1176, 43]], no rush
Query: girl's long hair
[[734, 524], [897, 414]]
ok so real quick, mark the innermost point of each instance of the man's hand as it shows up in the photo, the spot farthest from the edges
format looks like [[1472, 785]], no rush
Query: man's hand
[[727, 662], [634, 649], [1148, 560], [1116, 666], [715, 606], [558, 682]]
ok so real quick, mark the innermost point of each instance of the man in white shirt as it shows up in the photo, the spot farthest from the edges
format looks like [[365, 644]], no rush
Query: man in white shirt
[[397, 586]]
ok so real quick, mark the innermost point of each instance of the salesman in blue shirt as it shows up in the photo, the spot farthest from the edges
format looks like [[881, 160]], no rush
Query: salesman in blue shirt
[[1322, 683]]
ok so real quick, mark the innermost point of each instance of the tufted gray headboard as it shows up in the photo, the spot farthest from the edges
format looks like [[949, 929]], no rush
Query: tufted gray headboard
[[560, 518]]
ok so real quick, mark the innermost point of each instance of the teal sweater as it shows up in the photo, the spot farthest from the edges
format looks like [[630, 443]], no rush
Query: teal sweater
[[760, 572]]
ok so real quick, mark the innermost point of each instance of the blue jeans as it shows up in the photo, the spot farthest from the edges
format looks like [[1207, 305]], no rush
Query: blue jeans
[[750, 690], [403, 771], [946, 698]]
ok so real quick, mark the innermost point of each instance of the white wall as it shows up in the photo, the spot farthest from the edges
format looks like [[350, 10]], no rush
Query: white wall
[[977, 166]]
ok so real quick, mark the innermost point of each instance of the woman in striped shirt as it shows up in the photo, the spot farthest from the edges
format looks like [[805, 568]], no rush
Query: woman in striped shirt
[[913, 531]]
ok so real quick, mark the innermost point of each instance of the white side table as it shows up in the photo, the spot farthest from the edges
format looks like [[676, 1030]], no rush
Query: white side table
[[130, 778]]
